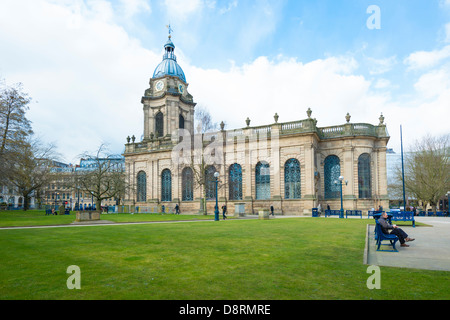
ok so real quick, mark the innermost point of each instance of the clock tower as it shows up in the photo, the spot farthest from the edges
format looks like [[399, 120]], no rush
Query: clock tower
[[167, 104]]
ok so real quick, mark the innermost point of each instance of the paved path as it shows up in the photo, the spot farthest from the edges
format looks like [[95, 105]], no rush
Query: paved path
[[430, 250]]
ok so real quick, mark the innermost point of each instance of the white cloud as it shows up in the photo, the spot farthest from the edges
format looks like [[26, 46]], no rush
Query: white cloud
[[380, 66], [434, 83], [447, 32], [263, 87], [231, 6], [132, 7], [382, 84], [445, 3], [427, 59], [87, 75], [181, 10]]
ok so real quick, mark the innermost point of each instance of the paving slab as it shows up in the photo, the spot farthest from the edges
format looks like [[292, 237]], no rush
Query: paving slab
[[430, 250]]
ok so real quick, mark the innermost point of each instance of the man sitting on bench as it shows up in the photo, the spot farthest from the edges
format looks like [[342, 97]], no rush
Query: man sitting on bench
[[393, 229]]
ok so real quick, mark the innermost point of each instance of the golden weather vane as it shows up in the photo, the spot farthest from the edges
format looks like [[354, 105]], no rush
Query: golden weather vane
[[170, 30]]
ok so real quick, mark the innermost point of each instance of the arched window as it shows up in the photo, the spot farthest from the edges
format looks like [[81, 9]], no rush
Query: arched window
[[210, 183], [181, 122], [141, 187], [262, 181], [235, 182], [292, 179], [332, 171], [159, 124], [364, 181], [166, 185], [187, 185]]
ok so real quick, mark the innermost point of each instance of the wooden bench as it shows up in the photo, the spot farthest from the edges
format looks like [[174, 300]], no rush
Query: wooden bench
[[353, 213], [333, 213], [381, 236], [403, 216]]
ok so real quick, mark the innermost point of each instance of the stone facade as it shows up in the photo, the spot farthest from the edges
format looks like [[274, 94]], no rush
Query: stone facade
[[284, 165]]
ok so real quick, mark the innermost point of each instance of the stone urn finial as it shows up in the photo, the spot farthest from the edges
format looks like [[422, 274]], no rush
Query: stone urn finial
[[381, 118], [133, 138], [275, 117], [128, 139], [222, 125], [347, 117], [308, 112], [247, 121]]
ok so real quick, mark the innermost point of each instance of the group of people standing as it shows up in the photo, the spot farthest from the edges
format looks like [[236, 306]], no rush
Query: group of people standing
[[224, 210]]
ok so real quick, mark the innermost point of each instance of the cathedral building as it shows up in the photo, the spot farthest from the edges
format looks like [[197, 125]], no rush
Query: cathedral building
[[292, 166]]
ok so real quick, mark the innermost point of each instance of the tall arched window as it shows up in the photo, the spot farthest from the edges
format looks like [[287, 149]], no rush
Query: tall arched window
[[166, 185], [235, 182], [141, 187], [187, 184], [364, 177], [180, 122], [292, 179], [262, 181], [159, 124], [210, 183], [332, 171]]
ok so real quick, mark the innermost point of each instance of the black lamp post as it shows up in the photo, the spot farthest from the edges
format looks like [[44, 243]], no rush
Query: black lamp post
[[216, 209], [448, 201], [340, 182]]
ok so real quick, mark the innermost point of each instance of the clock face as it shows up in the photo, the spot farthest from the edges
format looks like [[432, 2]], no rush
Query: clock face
[[159, 85], [181, 88]]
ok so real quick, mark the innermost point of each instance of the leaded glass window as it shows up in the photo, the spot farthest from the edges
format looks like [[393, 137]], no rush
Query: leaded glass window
[[166, 185], [364, 183], [210, 183], [180, 122], [292, 179], [187, 185], [235, 182], [262, 181], [141, 187], [159, 124], [332, 171]]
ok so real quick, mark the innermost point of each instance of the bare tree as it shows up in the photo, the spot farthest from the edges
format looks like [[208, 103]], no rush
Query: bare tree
[[32, 169], [427, 169], [203, 121], [15, 128], [103, 177]]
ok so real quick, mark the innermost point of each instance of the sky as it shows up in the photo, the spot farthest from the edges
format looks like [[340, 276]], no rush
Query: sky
[[87, 63]]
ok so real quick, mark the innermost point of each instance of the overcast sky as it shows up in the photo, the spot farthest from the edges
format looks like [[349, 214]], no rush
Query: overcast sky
[[86, 64]]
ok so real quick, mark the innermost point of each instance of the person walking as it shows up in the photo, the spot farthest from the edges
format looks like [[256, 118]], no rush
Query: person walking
[[224, 211], [271, 210], [177, 209]]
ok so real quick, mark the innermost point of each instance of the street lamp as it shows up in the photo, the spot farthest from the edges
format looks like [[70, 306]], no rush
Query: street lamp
[[216, 209], [56, 199], [340, 182], [448, 201]]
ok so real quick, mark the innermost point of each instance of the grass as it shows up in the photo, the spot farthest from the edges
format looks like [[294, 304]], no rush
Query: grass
[[298, 258], [17, 218]]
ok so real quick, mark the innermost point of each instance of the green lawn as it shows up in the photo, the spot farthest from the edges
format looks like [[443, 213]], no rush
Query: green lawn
[[17, 218], [291, 258]]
